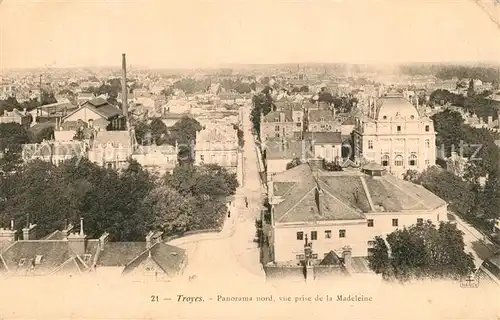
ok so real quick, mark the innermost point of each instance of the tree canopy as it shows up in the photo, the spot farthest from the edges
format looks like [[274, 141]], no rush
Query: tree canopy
[[127, 204], [422, 251]]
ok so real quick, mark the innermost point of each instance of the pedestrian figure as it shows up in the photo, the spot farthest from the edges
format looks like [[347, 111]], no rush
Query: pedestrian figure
[[229, 214]]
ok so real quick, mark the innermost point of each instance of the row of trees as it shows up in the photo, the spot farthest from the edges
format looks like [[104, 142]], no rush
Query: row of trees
[[475, 103], [126, 204], [465, 195], [156, 132], [422, 251], [467, 140]]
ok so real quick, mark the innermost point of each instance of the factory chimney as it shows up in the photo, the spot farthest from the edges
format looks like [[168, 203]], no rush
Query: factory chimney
[[124, 90]]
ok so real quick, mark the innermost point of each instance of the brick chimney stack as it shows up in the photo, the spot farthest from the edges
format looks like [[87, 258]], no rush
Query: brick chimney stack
[[77, 241], [29, 233], [124, 89]]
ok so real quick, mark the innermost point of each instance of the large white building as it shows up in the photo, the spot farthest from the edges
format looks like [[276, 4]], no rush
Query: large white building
[[396, 135], [336, 210], [217, 145]]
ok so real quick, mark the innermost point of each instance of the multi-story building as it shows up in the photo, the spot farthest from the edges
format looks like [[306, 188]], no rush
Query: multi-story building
[[336, 210], [217, 145], [324, 145], [112, 149], [322, 121], [283, 123], [395, 135], [55, 151], [159, 159]]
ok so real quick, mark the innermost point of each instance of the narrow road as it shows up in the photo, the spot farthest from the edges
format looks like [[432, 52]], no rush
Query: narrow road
[[231, 254]]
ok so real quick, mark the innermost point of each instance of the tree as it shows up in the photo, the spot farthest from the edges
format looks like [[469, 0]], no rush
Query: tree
[[184, 131], [292, 164], [142, 133], [449, 187], [262, 103], [422, 251], [159, 131], [47, 98], [12, 138], [165, 209], [411, 175], [333, 166], [448, 125], [325, 96]]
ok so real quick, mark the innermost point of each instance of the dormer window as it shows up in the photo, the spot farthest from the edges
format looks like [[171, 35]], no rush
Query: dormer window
[[38, 259], [427, 128], [22, 261], [398, 128]]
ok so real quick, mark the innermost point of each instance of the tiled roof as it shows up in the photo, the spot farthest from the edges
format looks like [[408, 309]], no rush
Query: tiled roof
[[54, 254], [218, 133], [118, 254], [121, 137], [168, 258], [323, 195], [324, 137], [318, 115], [274, 116], [331, 259], [64, 149], [283, 149]]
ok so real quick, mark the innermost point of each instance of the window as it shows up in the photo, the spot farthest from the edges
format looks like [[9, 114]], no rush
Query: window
[[412, 117], [371, 243], [398, 128], [394, 222], [385, 160], [299, 124], [300, 257], [300, 235], [427, 162], [276, 128], [370, 222], [413, 160], [322, 119], [427, 128], [420, 220], [384, 117], [277, 134], [38, 259], [341, 233], [314, 256], [398, 161], [322, 126], [328, 234], [314, 235], [427, 143], [370, 144], [299, 119], [202, 157], [22, 261]]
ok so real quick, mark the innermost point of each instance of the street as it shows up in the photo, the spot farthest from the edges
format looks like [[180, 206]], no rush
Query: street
[[232, 253]]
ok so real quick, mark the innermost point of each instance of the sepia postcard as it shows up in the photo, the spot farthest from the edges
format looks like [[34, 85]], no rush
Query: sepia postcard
[[250, 159]]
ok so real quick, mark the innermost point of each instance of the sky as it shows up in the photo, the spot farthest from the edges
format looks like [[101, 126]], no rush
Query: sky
[[203, 33]]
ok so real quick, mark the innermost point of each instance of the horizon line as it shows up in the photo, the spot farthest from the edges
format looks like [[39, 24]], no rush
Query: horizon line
[[239, 65]]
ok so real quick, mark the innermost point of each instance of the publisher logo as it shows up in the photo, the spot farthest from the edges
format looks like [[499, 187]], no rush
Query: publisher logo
[[469, 281]]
